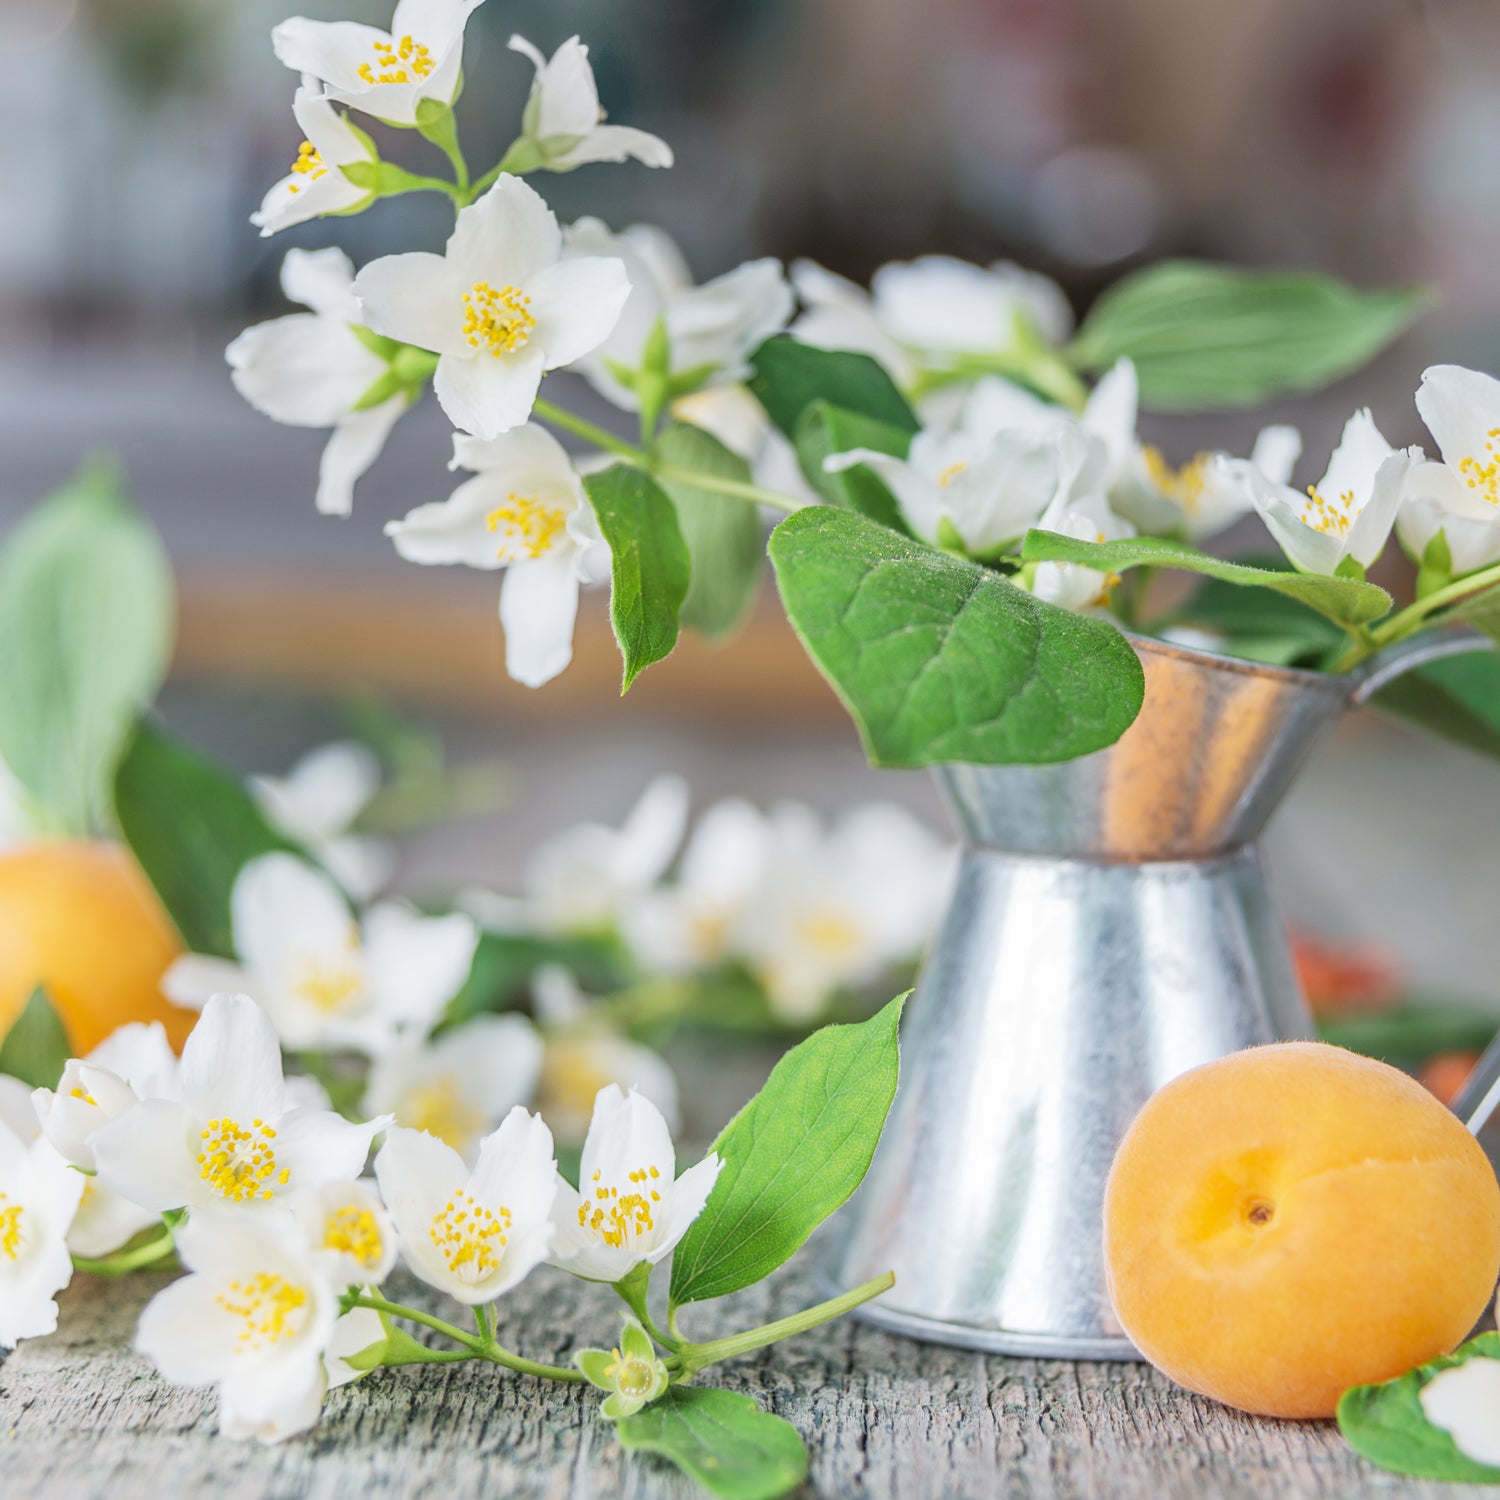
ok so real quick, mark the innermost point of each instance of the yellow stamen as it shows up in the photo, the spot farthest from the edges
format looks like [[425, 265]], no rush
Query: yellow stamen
[[1184, 486], [1331, 517], [529, 523], [355, 1231], [827, 932], [331, 985], [308, 164], [273, 1309], [10, 1229], [470, 1237], [440, 1108], [1482, 472], [240, 1163], [402, 61], [951, 473], [500, 322], [620, 1219]]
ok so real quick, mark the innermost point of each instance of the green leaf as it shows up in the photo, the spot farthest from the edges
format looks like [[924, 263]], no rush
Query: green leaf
[[1457, 698], [504, 963], [791, 1156], [86, 610], [1481, 610], [790, 376], [1260, 624], [940, 659], [1206, 335], [651, 569], [723, 535], [822, 430], [1345, 601], [1386, 1423], [1412, 1034], [723, 1440], [192, 826], [36, 1048]]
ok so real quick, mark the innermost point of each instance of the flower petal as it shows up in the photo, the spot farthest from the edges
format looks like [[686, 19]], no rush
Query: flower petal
[[417, 964], [538, 608], [302, 370], [615, 143], [195, 978], [577, 303], [231, 1064], [487, 395], [505, 237], [416, 298], [285, 913], [1463, 1401], [144, 1156], [357, 440], [329, 50]]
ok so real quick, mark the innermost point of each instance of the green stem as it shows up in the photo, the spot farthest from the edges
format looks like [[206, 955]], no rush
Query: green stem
[[1407, 620], [483, 1324], [590, 432], [717, 484], [495, 1353], [695, 1357], [632, 1292], [148, 1254]]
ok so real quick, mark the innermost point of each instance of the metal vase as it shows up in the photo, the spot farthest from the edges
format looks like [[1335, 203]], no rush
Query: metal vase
[[1111, 928]]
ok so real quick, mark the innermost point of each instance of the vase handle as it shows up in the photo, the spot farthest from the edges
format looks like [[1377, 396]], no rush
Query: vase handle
[[1415, 651], [1479, 1098]]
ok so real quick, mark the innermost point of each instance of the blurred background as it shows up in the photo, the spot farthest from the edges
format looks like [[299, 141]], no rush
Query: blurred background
[[1084, 137]]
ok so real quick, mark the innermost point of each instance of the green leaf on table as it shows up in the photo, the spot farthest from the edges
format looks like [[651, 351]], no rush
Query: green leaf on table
[[192, 826], [789, 377], [940, 659], [724, 536], [36, 1048], [1345, 601], [723, 1440], [1386, 1423], [650, 567], [791, 1156], [1456, 698], [1204, 335], [823, 430], [86, 611], [1481, 610]]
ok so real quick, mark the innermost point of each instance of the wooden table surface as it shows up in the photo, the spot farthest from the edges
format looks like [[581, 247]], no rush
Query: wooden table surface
[[82, 1416]]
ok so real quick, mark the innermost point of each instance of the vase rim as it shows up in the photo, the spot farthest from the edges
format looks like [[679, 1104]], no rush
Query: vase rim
[[1339, 683]]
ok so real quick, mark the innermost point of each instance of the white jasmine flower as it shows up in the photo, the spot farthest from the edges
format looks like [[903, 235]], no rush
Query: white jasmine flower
[[525, 511], [498, 308], [385, 73], [312, 370], [563, 122], [1072, 585], [980, 486], [316, 805], [693, 923], [325, 981], [474, 1235], [1465, 1402], [711, 330], [836, 910], [348, 1233], [459, 1087], [358, 1329], [1348, 513], [1460, 496], [17, 1113], [230, 1139], [935, 313], [254, 1318], [316, 184], [39, 1195], [630, 1206], [588, 877]]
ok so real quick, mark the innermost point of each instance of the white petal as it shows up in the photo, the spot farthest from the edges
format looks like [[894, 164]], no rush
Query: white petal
[[296, 198], [317, 1146], [322, 280], [195, 978], [1276, 451], [506, 238], [947, 306], [357, 440], [920, 498], [144, 1156], [616, 143], [416, 298], [538, 608], [565, 99], [577, 303], [328, 50], [725, 320], [529, 455], [653, 830], [140, 1054], [1352, 467], [1110, 414], [485, 394], [231, 1064], [105, 1221], [359, 1329], [284, 912], [417, 964], [275, 1409], [1372, 526], [323, 793], [686, 1200], [439, 23], [18, 1122], [1465, 1403], [453, 530], [516, 1166], [302, 370], [1461, 409]]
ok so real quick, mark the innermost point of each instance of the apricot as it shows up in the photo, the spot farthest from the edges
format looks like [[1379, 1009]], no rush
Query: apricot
[[80, 918], [1293, 1220]]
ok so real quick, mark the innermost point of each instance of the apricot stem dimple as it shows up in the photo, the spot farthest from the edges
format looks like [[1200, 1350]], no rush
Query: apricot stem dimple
[[1260, 1212]]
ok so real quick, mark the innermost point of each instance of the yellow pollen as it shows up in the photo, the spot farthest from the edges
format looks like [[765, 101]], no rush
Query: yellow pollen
[[354, 1231], [308, 164], [1482, 472], [10, 1229], [83, 1094], [402, 61], [530, 524], [240, 1164], [1331, 517], [827, 932], [330, 986], [273, 1309], [951, 473], [620, 1219], [498, 321], [440, 1108], [470, 1237], [1186, 485]]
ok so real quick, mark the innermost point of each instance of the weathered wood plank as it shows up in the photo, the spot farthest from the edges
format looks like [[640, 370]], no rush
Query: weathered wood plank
[[885, 1418]]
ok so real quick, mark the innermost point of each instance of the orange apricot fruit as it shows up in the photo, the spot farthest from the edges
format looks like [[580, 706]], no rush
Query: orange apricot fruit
[[79, 917], [1293, 1220]]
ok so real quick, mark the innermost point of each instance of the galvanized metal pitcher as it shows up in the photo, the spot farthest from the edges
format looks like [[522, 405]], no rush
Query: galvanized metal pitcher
[[1111, 928]]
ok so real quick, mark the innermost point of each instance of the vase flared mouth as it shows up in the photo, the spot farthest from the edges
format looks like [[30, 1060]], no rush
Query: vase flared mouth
[[1337, 684]]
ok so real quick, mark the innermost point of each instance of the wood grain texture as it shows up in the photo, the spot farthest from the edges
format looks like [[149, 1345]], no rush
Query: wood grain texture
[[80, 1415]]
